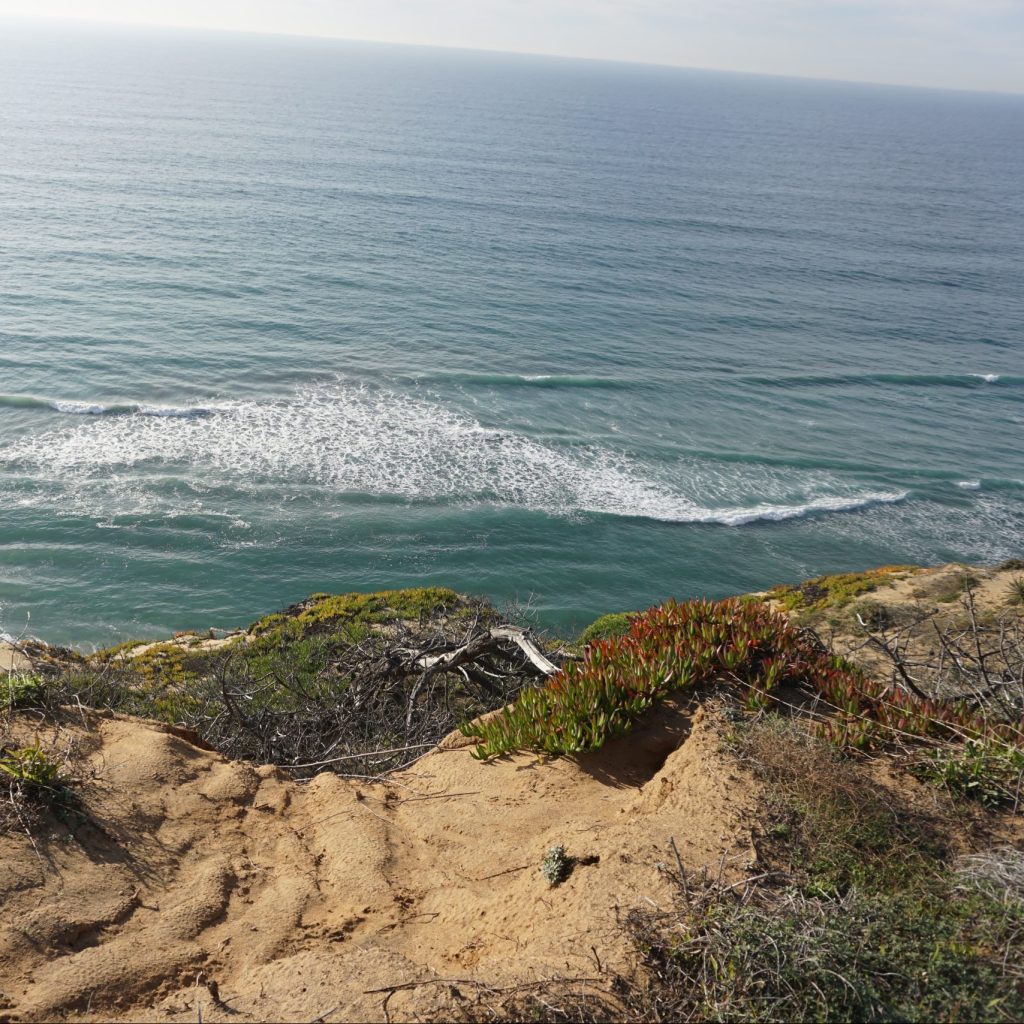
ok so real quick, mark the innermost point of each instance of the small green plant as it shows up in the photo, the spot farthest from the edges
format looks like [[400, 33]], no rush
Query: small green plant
[[1015, 591], [32, 769], [556, 865], [20, 692], [991, 773]]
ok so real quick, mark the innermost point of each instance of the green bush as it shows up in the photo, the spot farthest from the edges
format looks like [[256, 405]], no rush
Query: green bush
[[615, 624], [32, 769]]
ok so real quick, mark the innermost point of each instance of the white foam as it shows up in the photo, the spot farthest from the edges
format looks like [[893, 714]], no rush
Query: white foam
[[969, 485], [173, 412], [347, 439], [78, 408], [988, 378]]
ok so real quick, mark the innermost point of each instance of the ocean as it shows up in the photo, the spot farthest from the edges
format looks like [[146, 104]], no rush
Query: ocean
[[285, 315]]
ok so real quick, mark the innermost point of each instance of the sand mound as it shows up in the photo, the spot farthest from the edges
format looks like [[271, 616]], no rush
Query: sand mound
[[194, 881]]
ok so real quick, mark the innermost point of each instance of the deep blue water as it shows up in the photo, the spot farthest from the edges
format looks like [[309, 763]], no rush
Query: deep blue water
[[279, 316]]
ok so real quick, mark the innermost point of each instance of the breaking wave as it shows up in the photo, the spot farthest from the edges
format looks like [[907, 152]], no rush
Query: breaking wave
[[348, 439]]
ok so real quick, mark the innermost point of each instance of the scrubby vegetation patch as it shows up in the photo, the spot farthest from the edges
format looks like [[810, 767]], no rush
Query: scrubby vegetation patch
[[834, 591], [990, 772], [857, 909]]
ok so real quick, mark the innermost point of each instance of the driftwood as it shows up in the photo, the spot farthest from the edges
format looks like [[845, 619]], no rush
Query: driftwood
[[486, 643]]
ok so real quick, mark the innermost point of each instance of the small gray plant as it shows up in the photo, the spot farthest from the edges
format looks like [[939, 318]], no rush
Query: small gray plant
[[556, 865]]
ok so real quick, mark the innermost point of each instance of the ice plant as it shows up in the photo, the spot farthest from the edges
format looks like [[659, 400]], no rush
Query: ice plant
[[678, 647]]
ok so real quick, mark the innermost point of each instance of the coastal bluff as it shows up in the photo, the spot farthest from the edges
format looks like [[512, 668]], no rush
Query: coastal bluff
[[161, 878]]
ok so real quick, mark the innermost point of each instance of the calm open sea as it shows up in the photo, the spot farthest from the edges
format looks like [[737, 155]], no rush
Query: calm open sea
[[279, 316]]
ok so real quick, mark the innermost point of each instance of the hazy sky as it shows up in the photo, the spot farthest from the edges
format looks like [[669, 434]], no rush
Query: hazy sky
[[971, 44]]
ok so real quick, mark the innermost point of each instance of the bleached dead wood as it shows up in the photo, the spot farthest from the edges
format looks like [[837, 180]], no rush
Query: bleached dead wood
[[522, 640], [485, 643]]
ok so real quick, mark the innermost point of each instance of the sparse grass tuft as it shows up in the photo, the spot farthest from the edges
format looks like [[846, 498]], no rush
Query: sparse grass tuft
[[21, 691], [825, 826], [989, 772]]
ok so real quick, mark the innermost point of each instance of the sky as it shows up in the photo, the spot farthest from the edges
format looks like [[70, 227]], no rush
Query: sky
[[958, 44]]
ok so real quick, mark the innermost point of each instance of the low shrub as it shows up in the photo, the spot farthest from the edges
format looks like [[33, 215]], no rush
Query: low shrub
[[556, 865], [615, 624]]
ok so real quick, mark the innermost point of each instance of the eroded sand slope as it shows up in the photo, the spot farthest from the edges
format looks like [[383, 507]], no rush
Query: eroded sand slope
[[297, 900]]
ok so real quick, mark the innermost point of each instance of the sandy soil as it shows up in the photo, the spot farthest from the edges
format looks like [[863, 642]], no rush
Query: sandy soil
[[301, 901], [12, 660]]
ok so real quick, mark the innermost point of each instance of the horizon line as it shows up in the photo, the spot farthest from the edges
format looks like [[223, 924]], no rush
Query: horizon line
[[269, 34]]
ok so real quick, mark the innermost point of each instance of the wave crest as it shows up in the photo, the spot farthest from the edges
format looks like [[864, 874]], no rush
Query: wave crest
[[70, 407]]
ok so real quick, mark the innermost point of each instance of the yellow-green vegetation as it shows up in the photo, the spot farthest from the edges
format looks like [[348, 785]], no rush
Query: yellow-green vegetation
[[826, 592], [120, 650], [357, 615], [162, 675], [1015, 591], [307, 633], [162, 665], [169, 679]]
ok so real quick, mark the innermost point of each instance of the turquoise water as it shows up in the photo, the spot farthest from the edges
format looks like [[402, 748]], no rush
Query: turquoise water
[[279, 316]]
